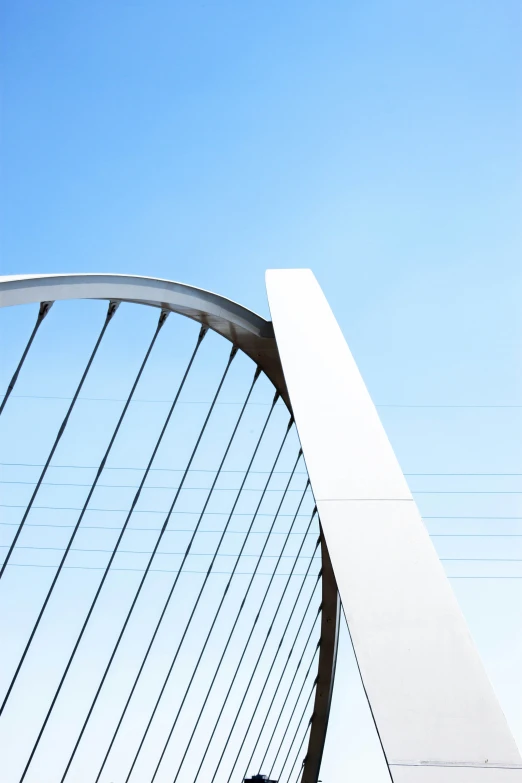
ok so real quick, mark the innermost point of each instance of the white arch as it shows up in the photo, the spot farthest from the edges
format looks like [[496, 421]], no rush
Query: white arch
[[438, 718]]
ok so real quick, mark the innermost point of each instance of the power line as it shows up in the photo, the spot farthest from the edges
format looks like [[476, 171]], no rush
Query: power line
[[210, 470], [233, 402], [225, 573], [255, 489], [140, 511], [253, 532], [161, 570], [144, 551], [171, 530], [135, 486], [235, 554], [137, 399], [189, 513]]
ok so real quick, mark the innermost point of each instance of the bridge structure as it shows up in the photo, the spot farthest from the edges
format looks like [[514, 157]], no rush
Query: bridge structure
[[128, 669]]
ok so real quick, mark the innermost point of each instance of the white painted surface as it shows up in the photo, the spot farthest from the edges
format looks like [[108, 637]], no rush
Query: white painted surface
[[432, 701]]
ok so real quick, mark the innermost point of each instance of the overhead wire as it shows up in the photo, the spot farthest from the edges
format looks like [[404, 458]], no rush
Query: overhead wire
[[233, 554], [192, 513], [148, 552], [243, 573], [209, 470], [233, 402]]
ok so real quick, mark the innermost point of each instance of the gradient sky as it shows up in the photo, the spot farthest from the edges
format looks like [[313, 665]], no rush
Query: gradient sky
[[377, 143]]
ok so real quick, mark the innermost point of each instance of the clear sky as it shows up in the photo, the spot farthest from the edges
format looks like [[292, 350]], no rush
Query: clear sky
[[377, 143]]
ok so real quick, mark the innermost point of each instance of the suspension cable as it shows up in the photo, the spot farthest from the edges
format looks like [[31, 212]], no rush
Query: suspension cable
[[281, 711], [129, 514], [262, 648], [161, 321], [157, 544], [294, 709], [98, 474], [252, 629], [110, 312], [238, 614], [42, 312], [278, 650], [299, 724], [298, 754], [276, 690], [171, 592], [180, 643]]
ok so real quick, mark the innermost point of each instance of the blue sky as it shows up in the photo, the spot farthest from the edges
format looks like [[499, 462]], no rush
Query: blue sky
[[377, 143]]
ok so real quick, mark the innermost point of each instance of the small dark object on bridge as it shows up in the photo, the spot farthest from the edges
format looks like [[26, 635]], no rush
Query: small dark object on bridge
[[259, 779]]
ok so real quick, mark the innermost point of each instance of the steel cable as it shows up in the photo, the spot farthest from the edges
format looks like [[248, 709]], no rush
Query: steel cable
[[129, 514], [161, 321], [299, 724], [300, 693], [298, 754], [110, 312], [238, 615], [156, 546], [171, 667], [276, 689], [262, 648], [281, 711], [276, 654], [185, 556], [252, 629], [42, 312]]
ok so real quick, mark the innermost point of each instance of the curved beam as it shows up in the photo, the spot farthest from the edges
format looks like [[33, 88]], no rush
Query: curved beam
[[438, 718], [248, 331]]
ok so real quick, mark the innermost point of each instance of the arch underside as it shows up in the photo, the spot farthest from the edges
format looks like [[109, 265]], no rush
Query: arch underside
[[252, 335]]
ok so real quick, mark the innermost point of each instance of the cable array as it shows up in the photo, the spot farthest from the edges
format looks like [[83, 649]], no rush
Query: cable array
[[206, 633]]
